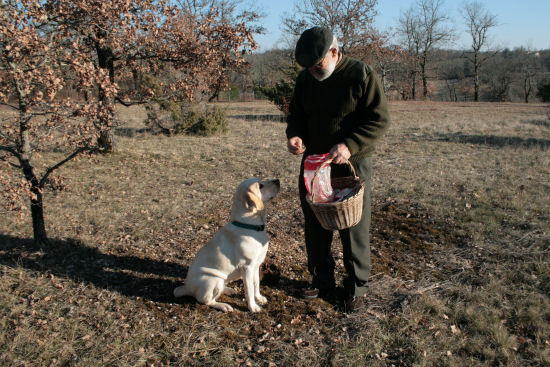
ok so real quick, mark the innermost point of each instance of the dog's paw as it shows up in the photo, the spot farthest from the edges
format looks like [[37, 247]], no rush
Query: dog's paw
[[261, 300], [222, 306], [254, 308], [227, 308]]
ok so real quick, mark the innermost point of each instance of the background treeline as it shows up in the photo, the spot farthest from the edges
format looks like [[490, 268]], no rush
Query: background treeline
[[508, 75], [417, 59]]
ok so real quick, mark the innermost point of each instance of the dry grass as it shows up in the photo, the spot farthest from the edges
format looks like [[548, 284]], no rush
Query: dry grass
[[460, 250]]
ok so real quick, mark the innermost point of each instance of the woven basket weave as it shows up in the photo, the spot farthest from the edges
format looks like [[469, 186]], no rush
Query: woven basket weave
[[340, 214]]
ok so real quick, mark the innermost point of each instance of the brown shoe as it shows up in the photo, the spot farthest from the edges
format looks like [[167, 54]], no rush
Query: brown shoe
[[353, 303]]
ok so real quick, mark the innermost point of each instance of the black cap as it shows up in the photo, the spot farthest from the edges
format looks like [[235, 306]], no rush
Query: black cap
[[313, 45]]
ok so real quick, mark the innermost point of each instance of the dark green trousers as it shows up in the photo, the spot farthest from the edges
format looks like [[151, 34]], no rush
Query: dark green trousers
[[355, 240]]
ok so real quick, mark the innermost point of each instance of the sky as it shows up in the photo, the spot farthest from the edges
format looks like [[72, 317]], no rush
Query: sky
[[523, 23]]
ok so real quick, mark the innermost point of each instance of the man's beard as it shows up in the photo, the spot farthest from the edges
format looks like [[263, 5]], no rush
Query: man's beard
[[322, 74]]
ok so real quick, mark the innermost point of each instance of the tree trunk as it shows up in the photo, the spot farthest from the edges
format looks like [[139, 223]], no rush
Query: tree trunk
[[476, 77], [413, 92], [526, 89], [106, 140], [37, 212], [37, 208], [424, 87], [424, 82], [384, 81]]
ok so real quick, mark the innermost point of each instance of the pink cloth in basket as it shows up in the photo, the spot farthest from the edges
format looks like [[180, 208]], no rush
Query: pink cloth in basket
[[321, 187]]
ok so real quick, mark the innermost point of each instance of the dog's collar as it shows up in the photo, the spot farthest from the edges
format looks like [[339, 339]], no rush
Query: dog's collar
[[254, 227]]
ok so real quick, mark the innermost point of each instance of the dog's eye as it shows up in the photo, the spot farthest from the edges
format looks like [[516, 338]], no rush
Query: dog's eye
[[261, 186]]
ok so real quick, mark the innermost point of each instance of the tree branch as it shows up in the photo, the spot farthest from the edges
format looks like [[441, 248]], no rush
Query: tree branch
[[9, 150], [10, 163], [130, 103], [9, 105], [59, 164], [13, 152]]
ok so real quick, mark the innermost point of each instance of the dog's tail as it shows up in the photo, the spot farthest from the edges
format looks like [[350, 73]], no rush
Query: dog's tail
[[183, 291]]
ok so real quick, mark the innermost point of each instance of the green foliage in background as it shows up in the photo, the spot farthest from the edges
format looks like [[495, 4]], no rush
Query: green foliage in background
[[543, 91], [173, 118], [234, 93], [281, 93], [176, 117], [205, 121]]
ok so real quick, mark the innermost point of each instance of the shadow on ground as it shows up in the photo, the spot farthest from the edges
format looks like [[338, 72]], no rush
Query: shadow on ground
[[494, 141], [129, 275], [404, 246], [543, 123]]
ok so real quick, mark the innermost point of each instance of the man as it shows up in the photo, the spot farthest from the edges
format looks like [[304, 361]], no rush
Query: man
[[339, 107]]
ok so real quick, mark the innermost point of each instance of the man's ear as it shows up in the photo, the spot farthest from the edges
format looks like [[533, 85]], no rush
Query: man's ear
[[252, 200]]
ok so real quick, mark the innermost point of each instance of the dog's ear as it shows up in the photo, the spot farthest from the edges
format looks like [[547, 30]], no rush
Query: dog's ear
[[252, 200]]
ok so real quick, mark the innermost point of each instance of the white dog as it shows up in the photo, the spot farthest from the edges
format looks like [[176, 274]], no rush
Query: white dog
[[235, 252]]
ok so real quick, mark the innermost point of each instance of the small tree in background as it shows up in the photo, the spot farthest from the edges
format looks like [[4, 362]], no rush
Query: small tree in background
[[379, 52], [281, 93], [199, 42], [38, 60], [424, 26], [529, 70], [543, 91], [351, 21], [479, 22], [94, 48], [498, 76]]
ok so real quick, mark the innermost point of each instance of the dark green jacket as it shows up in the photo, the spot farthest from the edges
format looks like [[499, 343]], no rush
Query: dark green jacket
[[348, 107]]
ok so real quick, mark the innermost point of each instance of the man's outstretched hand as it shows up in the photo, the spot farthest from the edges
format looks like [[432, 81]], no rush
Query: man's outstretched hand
[[295, 145]]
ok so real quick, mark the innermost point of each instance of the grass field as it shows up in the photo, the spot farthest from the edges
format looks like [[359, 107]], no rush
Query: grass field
[[460, 250]]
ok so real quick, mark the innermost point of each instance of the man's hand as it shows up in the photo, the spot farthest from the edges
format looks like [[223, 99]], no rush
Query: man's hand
[[295, 145], [340, 153]]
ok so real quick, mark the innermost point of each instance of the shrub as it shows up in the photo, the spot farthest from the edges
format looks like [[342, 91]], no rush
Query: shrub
[[543, 91], [179, 118], [234, 93], [205, 121], [171, 117], [281, 93]]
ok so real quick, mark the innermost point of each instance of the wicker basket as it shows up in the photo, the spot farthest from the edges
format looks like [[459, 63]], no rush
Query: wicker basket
[[339, 214]]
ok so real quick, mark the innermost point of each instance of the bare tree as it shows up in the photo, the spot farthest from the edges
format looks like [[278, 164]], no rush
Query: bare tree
[[382, 54], [409, 28], [529, 70], [479, 21], [425, 28], [352, 24], [498, 75], [350, 20], [451, 70]]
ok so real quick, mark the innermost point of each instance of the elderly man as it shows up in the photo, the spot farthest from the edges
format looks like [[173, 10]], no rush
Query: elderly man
[[339, 107]]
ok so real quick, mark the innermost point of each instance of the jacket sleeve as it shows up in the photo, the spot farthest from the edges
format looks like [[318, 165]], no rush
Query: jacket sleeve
[[372, 116], [296, 119]]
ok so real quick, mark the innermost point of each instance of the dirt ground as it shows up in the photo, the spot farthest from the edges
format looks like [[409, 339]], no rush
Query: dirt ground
[[459, 251]]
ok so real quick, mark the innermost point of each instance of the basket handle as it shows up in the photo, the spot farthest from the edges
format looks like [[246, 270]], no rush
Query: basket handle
[[324, 164]]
